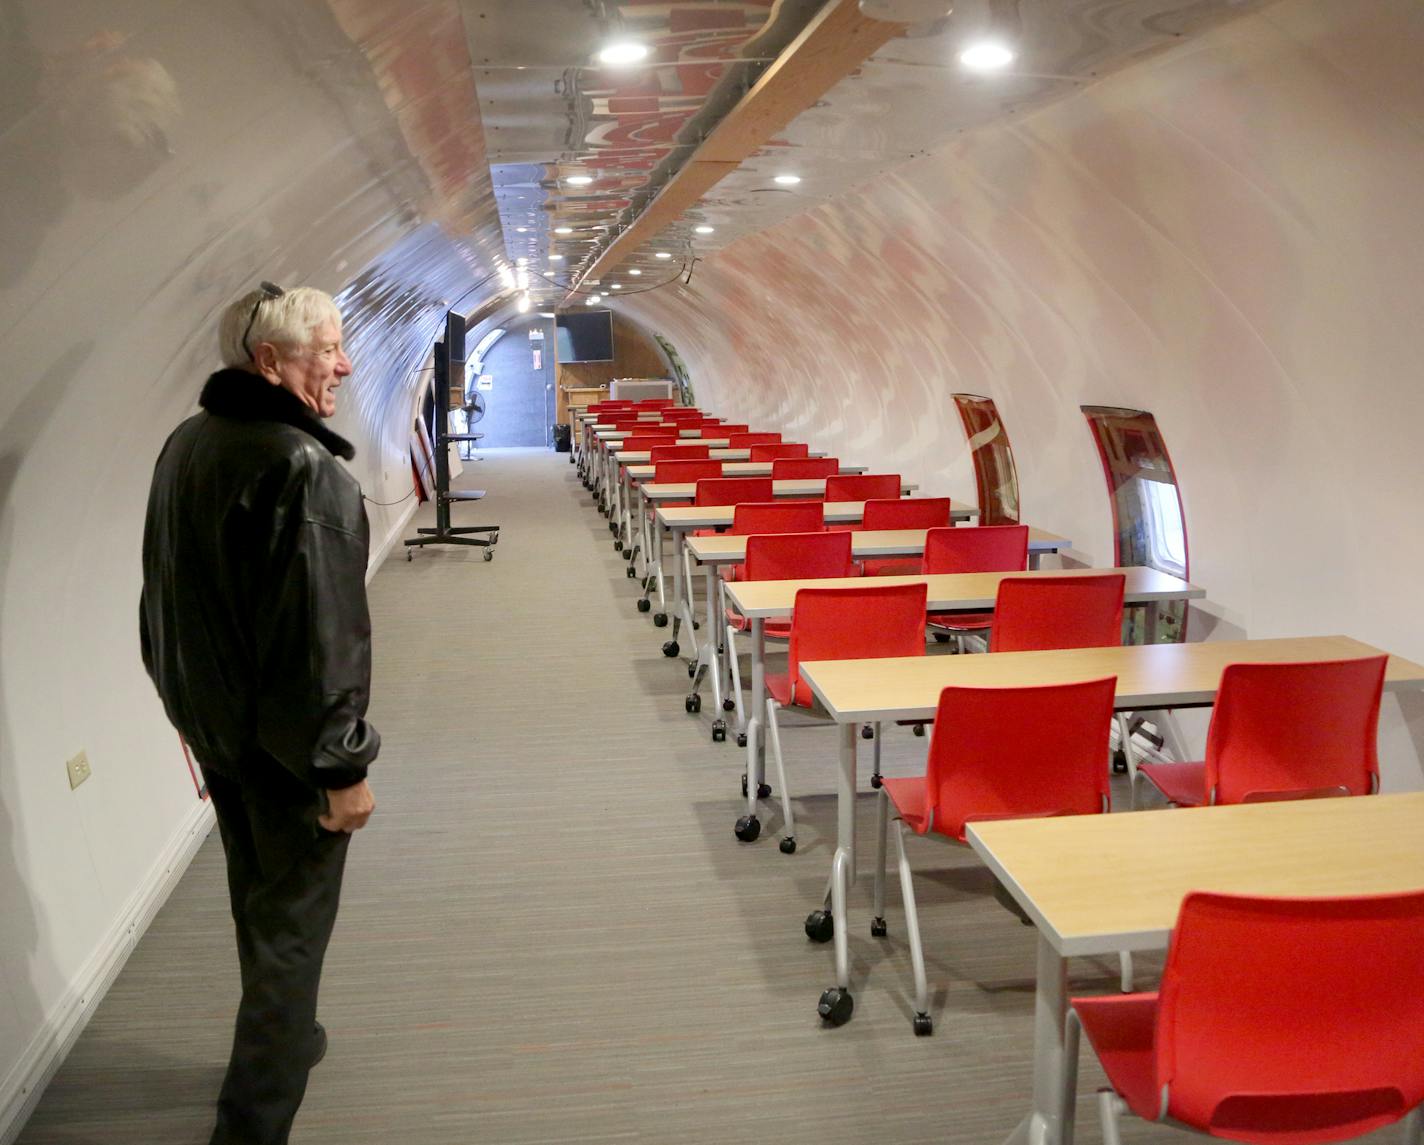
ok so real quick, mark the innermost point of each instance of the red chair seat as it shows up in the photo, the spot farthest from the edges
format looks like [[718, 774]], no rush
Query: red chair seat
[[771, 629], [890, 566], [1182, 783], [962, 621], [908, 796], [1120, 1029], [778, 687]]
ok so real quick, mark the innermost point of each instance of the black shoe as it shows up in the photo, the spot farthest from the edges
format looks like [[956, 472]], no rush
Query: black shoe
[[319, 1051]]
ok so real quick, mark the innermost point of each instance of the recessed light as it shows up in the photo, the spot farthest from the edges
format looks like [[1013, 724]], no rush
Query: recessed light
[[524, 303], [787, 180], [617, 286], [662, 254], [635, 272], [986, 56], [593, 300], [521, 230], [563, 230], [579, 180], [556, 258], [625, 52], [521, 262], [546, 314], [704, 230]]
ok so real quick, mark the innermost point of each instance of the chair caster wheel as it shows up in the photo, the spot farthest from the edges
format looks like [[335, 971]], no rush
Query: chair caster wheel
[[867, 732], [692, 671], [489, 554], [617, 546], [670, 649], [747, 829], [693, 704], [820, 926], [919, 730], [1119, 762], [632, 572], [719, 732], [660, 620], [729, 705], [923, 1024], [410, 554], [613, 528], [742, 742], [835, 1006], [941, 637], [788, 846], [644, 604], [877, 928], [763, 789]]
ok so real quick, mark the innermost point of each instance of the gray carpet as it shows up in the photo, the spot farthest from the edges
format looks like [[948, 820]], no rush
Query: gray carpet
[[549, 933]]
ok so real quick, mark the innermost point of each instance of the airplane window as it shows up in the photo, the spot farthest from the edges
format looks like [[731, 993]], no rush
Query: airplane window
[[1149, 526], [994, 472]]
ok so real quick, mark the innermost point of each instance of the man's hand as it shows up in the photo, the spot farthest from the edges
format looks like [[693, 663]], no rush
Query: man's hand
[[349, 808]]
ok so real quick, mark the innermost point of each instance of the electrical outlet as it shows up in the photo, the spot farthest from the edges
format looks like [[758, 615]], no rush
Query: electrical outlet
[[78, 769]]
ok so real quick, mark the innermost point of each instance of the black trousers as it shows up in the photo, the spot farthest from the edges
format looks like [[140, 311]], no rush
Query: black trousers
[[284, 879]]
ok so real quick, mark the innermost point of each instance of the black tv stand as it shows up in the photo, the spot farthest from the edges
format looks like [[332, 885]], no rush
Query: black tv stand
[[444, 533]]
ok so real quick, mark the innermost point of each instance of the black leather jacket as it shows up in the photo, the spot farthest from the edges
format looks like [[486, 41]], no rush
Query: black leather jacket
[[253, 617]]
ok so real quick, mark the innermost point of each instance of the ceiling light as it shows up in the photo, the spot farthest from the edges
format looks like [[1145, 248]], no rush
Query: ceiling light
[[635, 272], [625, 52], [617, 286], [704, 229], [787, 180], [662, 254], [507, 277], [546, 314], [556, 258], [521, 230], [986, 55], [563, 230], [593, 300], [521, 277], [524, 303], [579, 180], [521, 262]]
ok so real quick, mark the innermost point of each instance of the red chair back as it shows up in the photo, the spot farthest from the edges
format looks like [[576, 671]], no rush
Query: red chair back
[[862, 486], [685, 471], [750, 517], [608, 407], [854, 624], [733, 490], [638, 441], [800, 468], [679, 452], [798, 556], [744, 440], [1011, 753], [1292, 1020], [774, 451], [985, 548], [727, 428], [1292, 731], [682, 413], [1058, 612], [906, 513], [656, 403]]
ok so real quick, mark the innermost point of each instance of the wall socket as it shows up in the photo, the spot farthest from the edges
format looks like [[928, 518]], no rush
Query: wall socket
[[78, 769]]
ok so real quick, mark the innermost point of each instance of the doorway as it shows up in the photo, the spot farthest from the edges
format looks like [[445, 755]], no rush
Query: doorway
[[515, 378]]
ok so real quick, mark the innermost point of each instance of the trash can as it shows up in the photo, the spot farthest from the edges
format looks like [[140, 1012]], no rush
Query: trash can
[[562, 438]]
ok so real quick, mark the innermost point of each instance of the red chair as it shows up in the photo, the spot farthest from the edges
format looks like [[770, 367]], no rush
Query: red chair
[[686, 471], [1058, 612], [1284, 731], [996, 753], [726, 429], [753, 517], [679, 452], [863, 486], [859, 623], [987, 548], [1286, 1021], [746, 440], [810, 555], [682, 414], [733, 490], [801, 468], [637, 441], [656, 403], [902, 513], [775, 451]]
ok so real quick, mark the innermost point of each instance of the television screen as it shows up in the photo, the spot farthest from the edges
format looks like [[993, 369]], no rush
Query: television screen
[[585, 337]]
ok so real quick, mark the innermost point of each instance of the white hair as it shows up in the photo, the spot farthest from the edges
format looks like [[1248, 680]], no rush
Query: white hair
[[287, 322]]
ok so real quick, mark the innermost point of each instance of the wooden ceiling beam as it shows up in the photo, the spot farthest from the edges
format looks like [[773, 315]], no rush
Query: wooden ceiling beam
[[837, 40]]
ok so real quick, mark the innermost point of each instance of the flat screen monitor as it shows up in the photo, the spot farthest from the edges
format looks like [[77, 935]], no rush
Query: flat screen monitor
[[585, 336]]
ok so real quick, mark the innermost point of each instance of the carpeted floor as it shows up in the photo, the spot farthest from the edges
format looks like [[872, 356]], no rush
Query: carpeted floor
[[549, 933]]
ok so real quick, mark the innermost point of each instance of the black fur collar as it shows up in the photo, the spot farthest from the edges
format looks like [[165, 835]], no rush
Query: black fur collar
[[238, 394]]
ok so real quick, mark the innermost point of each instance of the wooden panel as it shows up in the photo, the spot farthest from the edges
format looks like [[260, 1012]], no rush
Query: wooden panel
[[634, 356]]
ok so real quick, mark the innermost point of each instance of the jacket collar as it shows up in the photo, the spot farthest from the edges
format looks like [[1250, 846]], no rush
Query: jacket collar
[[250, 397]]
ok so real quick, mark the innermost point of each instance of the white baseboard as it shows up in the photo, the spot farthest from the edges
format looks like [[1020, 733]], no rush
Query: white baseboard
[[20, 1091], [383, 550]]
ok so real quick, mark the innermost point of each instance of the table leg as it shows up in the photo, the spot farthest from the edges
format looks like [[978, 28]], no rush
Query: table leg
[[1043, 1125], [756, 705], [674, 612], [707, 653]]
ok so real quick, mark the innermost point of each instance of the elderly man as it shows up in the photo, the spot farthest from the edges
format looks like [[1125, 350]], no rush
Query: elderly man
[[254, 628]]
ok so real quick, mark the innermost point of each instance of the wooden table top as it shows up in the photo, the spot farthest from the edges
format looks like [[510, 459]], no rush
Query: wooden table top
[[802, 487], [725, 549], [1148, 676], [643, 472], [1097, 883], [973, 592]]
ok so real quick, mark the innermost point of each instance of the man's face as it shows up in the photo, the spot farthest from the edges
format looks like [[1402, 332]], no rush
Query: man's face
[[313, 372]]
